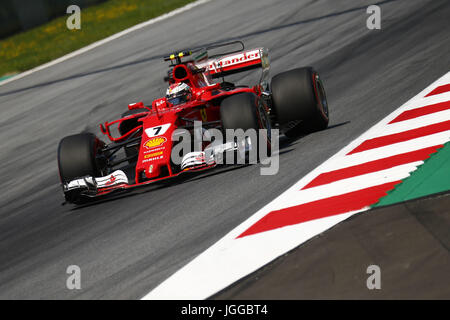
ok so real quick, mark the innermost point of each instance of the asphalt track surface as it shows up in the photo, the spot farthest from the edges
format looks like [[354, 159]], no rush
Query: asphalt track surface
[[127, 246]]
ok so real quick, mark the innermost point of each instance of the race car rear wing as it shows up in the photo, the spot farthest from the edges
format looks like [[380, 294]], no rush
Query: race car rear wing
[[223, 64], [237, 62]]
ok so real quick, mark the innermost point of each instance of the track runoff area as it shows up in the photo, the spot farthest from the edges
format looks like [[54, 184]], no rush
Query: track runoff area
[[350, 182]]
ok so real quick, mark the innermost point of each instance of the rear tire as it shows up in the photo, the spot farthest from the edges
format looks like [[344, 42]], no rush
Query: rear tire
[[299, 101], [242, 111]]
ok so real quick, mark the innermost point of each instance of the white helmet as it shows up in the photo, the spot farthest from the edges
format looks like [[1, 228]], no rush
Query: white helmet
[[178, 93]]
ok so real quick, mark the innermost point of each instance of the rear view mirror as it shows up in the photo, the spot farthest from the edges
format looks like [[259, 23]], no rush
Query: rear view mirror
[[137, 105]]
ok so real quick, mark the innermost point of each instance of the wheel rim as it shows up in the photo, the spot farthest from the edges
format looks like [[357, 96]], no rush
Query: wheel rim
[[321, 96]]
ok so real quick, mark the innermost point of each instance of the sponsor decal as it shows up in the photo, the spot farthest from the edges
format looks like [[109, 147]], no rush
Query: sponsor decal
[[200, 158], [243, 57], [152, 159], [155, 149], [154, 142], [111, 181], [160, 102], [154, 154]]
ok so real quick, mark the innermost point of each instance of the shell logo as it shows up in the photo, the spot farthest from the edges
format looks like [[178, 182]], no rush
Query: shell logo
[[155, 142]]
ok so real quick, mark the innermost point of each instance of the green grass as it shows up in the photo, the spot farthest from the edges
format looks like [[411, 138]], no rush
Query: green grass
[[52, 40]]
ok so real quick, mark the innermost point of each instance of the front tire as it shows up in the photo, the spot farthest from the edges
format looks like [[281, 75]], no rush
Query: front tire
[[77, 156], [299, 101], [244, 111]]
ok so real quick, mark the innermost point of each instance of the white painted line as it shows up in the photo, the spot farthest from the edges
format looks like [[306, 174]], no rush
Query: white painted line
[[229, 254], [106, 40], [387, 151], [415, 123], [348, 185], [427, 101]]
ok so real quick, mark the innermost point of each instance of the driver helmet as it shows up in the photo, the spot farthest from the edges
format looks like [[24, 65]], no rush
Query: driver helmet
[[178, 93]]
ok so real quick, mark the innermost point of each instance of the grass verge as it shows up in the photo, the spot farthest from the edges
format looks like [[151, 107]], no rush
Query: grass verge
[[52, 40]]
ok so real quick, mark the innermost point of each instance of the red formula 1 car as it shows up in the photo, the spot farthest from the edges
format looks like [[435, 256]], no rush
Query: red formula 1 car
[[293, 101]]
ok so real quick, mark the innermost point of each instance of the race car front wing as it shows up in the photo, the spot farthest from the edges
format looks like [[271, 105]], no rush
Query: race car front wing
[[89, 186]]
